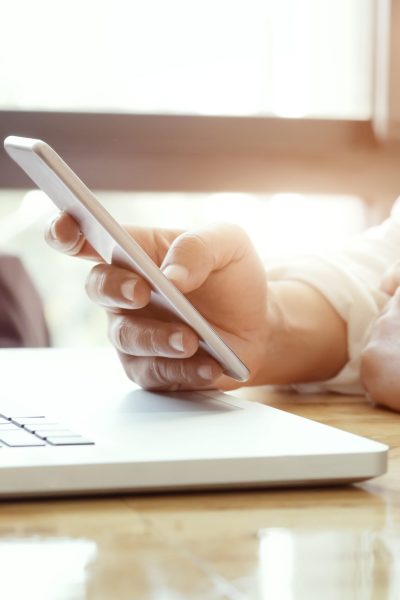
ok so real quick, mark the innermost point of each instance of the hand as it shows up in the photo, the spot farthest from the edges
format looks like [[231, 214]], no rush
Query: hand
[[216, 268], [380, 363]]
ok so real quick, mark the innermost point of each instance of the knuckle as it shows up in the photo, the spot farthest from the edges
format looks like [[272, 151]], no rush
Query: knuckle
[[191, 243], [236, 230], [153, 373], [183, 376], [134, 337], [95, 282], [159, 371], [102, 282], [165, 374], [120, 333], [242, 239], [148, 340], [139, 371]]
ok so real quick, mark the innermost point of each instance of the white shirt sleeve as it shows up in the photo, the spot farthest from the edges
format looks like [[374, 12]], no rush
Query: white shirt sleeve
[[350, 280]]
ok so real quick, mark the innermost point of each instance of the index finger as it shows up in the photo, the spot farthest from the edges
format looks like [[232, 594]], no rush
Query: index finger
[[63, 234]]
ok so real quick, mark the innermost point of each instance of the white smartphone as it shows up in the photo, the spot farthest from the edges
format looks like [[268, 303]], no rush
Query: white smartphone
[[112, 242]]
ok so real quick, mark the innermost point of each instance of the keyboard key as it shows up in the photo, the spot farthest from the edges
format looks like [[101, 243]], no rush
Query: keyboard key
[[20, 439], [37, 430], [25, 417], [56, 433], [28, 420], [76, 440], [44, 427], [9, 427]]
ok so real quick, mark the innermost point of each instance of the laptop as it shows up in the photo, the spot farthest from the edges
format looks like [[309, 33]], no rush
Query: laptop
[[71, 423]]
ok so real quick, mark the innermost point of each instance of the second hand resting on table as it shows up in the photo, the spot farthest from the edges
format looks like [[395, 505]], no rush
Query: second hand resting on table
[[275, 328], [380, 363], [285, 331]]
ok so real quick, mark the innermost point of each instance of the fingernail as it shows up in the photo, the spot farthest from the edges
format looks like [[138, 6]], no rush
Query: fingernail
[[70, 247], [53, 232], [128, 289], [175, 340], [176, 272], [205, 372]]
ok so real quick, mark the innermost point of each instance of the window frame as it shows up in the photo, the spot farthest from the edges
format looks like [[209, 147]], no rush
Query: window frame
[[386, 105], [143, 152], [195, 153]]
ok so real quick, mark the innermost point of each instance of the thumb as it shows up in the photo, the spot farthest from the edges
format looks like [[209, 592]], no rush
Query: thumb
[[195, 254]]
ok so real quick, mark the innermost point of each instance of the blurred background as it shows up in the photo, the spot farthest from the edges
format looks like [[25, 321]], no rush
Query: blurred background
[[280, 115]]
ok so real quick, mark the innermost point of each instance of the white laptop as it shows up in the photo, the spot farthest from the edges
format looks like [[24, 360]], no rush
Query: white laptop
[[72, 423]]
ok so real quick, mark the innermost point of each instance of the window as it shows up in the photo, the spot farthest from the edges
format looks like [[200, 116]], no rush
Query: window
[[224, 57]]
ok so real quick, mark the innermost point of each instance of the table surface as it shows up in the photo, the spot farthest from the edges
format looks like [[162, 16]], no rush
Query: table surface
[[322, 543]]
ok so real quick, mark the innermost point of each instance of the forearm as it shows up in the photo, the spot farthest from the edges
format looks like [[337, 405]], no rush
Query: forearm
[[306, 339]]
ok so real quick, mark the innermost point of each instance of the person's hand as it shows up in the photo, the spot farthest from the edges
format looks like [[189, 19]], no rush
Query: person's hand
[[380, 365], [218, 270]]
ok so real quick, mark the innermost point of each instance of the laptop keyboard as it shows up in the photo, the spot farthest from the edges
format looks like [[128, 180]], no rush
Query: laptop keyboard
[[22, 432]]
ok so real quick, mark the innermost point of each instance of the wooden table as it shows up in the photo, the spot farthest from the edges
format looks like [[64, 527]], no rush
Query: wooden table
[[333, 543]]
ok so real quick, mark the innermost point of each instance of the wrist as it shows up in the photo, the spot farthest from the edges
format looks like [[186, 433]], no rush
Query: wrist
[[305, 338], [271, 332]]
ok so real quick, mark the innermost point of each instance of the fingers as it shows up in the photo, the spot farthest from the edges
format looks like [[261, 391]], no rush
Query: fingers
[[186, 258], [193, 255], [199, 372], [114, 287], [141, 336], [63, 234], [391, 279]]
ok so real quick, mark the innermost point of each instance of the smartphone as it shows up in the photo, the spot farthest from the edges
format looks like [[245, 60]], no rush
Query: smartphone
[[51, 174]]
